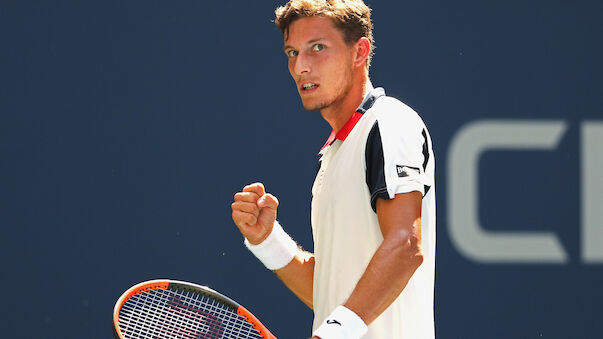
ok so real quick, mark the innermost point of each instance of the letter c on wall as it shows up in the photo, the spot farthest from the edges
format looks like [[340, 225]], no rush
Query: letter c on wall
[[466, 234]]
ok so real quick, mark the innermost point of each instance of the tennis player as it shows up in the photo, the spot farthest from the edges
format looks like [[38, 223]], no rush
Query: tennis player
[[373, 200]]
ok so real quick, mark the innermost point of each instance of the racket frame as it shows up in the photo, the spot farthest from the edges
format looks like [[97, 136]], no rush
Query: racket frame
[[165, 284]]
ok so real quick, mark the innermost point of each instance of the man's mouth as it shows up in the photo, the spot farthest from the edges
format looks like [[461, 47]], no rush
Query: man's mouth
[[308, 86]]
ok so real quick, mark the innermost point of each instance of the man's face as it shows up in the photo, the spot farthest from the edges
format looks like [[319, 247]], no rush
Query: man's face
[[320, 62]]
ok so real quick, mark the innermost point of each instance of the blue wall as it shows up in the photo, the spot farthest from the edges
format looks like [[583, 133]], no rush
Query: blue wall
[[127, 126]]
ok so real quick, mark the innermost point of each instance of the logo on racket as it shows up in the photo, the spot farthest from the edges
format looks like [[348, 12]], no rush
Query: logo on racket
[[209, 325]]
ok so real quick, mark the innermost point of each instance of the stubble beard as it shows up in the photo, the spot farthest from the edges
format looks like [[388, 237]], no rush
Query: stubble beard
[[334, 100]]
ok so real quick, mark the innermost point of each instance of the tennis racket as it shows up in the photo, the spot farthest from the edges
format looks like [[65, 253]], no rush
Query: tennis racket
[[177, 309]]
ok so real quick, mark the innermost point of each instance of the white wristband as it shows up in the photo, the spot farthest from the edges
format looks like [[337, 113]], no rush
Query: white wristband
[[342, 323], [277, 250]]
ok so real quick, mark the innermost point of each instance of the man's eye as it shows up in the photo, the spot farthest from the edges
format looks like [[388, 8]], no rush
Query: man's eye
[[318, 47], [292, 53]]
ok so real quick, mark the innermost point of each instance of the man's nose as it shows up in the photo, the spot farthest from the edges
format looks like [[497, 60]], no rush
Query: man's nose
[[302, 64]]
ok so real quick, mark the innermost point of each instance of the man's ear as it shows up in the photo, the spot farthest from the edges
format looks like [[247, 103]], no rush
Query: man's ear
[[363, 49]]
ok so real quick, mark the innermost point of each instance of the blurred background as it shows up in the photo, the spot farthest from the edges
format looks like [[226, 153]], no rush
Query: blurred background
[[127, 126]]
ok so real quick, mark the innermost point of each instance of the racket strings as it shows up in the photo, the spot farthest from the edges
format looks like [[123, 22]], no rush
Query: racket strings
[[181, 314]]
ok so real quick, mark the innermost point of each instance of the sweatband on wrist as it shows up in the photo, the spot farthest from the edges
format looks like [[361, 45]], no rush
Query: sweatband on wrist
[[342, 323], [277, 250]]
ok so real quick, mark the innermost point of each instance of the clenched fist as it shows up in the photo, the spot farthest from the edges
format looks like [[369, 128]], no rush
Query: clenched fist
[[254, 212]]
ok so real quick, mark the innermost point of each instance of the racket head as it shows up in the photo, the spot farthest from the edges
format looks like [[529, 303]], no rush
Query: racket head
[[177, 309]]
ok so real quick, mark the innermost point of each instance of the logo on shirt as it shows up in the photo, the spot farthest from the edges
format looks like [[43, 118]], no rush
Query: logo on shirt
[[331, 322], [405, 171]]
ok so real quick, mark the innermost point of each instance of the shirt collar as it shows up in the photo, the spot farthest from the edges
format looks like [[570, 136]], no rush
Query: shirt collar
[[369, 99]]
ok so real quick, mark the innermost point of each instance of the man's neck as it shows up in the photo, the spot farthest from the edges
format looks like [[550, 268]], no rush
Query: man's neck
[[338, 115]]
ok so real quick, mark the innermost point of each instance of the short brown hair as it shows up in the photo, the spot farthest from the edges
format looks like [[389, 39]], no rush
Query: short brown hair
[[352, 17]]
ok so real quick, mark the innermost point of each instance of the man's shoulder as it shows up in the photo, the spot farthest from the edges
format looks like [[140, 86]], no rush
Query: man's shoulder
[[391, 111]]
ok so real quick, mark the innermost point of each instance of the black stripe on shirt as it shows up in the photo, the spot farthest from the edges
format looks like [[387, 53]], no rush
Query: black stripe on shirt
[[375, 164], [425, 156]]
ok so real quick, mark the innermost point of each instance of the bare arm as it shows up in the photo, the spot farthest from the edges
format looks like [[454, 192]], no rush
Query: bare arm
[[254, 213], [396, 259], [298, 276]]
